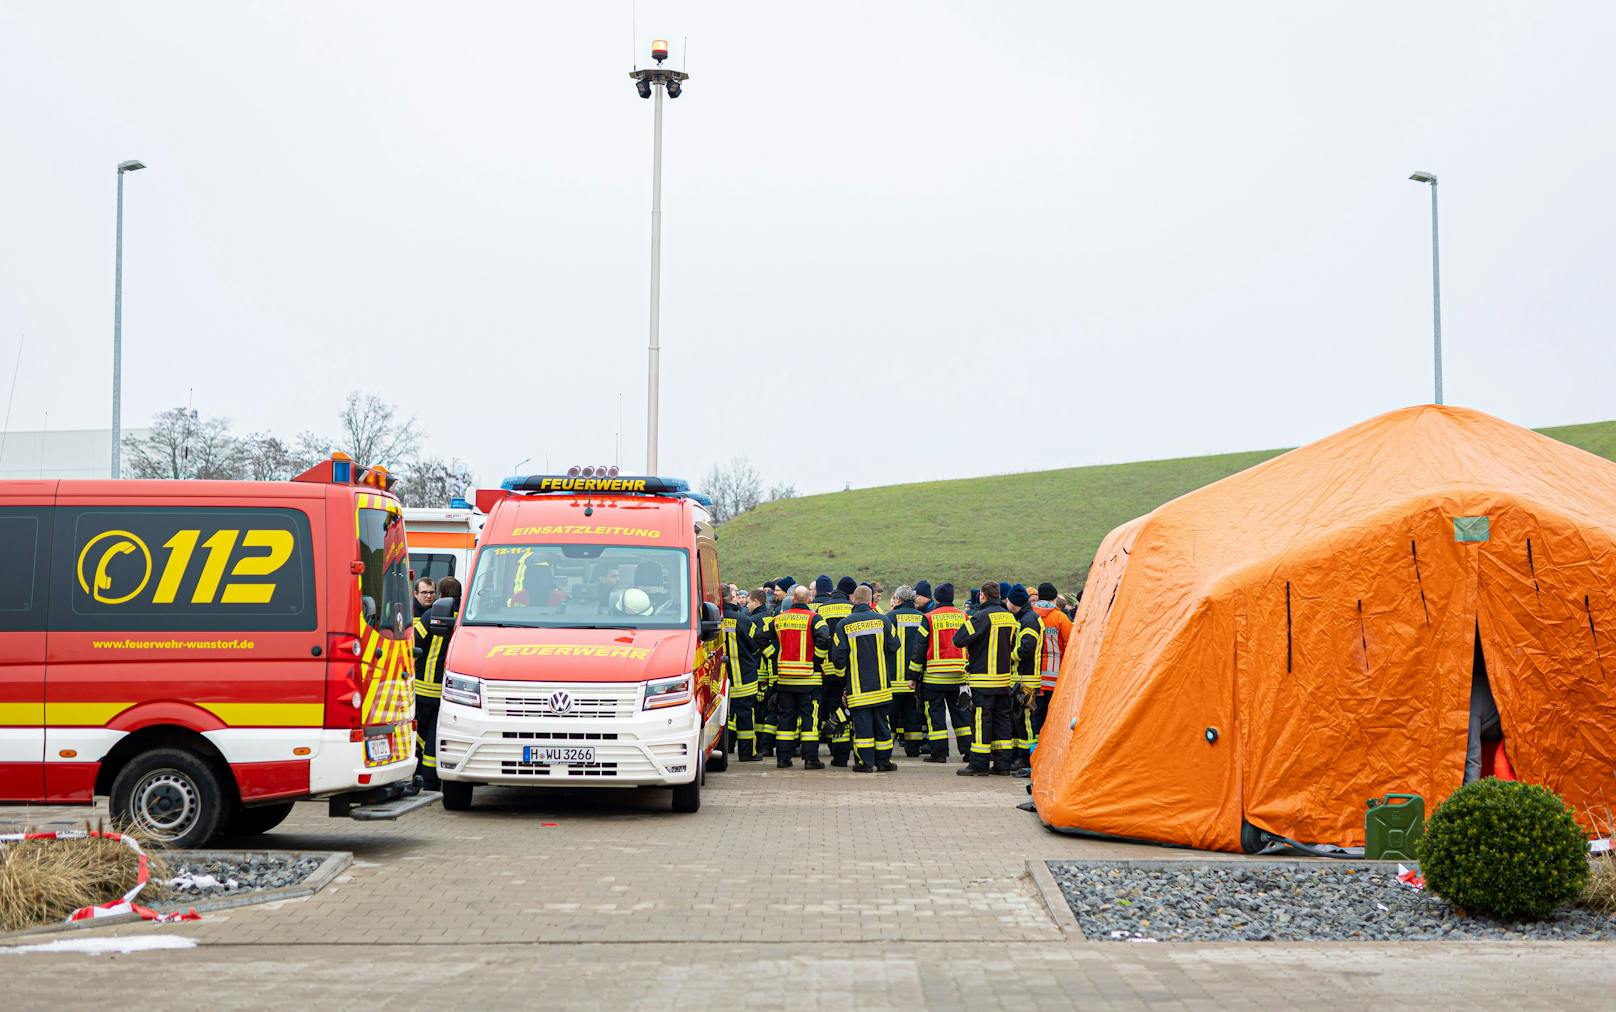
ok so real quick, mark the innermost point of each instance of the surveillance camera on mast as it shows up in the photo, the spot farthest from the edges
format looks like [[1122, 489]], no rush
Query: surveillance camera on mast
[[659, 76]]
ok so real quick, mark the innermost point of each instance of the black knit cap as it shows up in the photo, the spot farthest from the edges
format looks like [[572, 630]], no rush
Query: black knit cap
[[1047, 592], [923, 588], [944, 594], [846, 585]]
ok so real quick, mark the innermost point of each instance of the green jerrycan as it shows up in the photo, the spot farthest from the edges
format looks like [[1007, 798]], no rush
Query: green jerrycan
[[1392, 826]]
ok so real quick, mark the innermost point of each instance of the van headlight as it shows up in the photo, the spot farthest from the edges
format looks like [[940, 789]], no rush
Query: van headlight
[[675, 691], [463, 689]]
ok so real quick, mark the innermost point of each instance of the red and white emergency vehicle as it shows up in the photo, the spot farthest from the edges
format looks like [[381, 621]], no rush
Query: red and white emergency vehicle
[[588, 651], [441, 540], [205, 653]]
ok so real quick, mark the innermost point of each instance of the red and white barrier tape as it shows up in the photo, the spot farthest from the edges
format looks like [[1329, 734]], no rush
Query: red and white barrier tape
[[1410, 877], [125, 905]]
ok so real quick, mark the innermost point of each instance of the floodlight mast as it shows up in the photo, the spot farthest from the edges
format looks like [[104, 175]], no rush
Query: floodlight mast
[[1436, 280], [656, 79], [116, 469]]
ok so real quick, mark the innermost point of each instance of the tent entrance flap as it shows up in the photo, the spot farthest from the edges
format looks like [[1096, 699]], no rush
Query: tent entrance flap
[[1486, 727]]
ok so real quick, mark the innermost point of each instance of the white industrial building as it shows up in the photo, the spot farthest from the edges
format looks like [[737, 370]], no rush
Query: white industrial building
[[60, 453]]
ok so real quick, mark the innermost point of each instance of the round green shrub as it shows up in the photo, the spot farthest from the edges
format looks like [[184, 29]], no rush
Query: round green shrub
[[1508, 849]]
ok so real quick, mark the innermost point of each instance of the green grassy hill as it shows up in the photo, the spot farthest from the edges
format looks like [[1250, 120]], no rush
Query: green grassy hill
[[1038, 525]]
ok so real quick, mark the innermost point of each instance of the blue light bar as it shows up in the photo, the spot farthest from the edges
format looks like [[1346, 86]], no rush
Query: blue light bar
[[459, 503]]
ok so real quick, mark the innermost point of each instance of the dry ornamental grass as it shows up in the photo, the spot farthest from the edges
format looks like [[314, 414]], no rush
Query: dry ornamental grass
[[1599, 895], [42, 881]]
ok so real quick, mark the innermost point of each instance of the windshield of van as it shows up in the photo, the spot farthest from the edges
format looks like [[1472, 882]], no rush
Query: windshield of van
[[580, 587]]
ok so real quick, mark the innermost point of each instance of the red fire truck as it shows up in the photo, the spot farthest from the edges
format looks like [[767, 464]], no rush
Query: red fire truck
[[205, 653]]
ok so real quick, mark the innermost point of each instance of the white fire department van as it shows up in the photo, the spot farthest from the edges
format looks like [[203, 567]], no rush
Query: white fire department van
[[588, 652]]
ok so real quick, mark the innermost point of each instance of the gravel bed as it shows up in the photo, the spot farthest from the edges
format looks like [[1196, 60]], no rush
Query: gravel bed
[[1262, 902], [207, 879]]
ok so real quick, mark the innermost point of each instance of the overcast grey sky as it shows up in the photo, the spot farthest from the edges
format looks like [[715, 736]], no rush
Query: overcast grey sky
[[987, 237]]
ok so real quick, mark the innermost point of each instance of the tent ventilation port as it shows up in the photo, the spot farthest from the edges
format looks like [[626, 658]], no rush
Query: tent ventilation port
[[1287, 627], [1363, 637], [1415, 548], [1589, 611]]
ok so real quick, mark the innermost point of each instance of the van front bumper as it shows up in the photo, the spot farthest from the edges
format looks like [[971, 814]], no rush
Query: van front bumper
[[653, 748]]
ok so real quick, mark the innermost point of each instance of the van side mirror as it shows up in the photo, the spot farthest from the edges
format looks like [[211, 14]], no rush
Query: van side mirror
[[440, 618], [712, 620]]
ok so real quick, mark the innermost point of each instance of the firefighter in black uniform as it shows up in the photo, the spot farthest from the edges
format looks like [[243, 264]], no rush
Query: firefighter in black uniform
[[865, 648], [1029, 664], [433, 630], [768, 707], [942, 682], [990, 638], [906, 722], [833, 607], [743, 646], [801, 643]]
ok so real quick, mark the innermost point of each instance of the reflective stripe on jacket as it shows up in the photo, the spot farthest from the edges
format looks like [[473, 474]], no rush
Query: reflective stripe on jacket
[[911, 647], [802, 643], [943, 661], [991, 637], [1057, 632], [864, 650], [434, 653]]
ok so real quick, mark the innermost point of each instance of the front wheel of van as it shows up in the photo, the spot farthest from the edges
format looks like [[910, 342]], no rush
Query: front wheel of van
[[687, 797], [170, 796], [456, 795], [718, 762]]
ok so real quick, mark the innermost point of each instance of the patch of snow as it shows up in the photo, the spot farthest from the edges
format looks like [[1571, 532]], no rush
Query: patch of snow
[[102, 946]]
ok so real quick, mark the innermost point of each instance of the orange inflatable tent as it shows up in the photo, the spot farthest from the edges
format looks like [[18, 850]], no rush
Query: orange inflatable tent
[[1276, 648]]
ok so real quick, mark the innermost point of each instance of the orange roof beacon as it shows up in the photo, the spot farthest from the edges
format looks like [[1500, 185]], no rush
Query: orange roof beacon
[[1253, 660], [207, 652], [587, 652]]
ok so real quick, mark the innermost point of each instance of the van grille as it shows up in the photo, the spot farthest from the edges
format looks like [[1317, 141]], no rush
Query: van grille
[[552, 700], [502, 760]]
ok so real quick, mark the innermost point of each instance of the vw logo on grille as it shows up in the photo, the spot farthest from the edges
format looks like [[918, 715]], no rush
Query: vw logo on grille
[[560, 702]]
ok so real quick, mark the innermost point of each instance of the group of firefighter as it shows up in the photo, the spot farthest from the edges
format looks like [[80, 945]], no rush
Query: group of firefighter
[[824, 663]]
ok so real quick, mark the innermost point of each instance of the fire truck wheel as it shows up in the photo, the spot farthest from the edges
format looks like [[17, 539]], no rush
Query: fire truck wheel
[[171, 796], [456, 796], [687, 797], [253, 821]]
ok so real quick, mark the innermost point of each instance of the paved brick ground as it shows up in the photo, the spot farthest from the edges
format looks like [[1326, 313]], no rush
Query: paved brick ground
[[788, 889]]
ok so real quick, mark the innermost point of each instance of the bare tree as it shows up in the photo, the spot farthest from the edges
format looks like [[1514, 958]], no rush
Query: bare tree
[[264, 457], [777, 492], [373, 433], [309, 449], [432, 482], [734, 487], [183, 444]]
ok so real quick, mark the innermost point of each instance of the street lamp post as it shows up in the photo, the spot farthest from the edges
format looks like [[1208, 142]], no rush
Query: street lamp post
[[117, 328], [646, 81], [1436, 279]]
